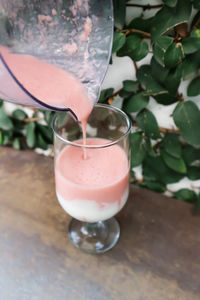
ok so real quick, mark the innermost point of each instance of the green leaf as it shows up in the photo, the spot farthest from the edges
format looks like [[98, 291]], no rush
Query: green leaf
[[137, 149], [145, 77], [196, 4], [30, 135], [119, 13], [165, 99], [173, 55], [194, 87], [186, 195], [118, 41], [158, 72], [155, 169], [41, 142], [172, 145], [187, 118], [170, 3], [147, 122], [16, 144], [195, 19], [48, 116], [190, 154], [140, 52], [190, 64], [176, 164], [192, 43], [19, 114], [169, 79], [132, 42], [193, 173], [135, 103], [168, 17], [46, 132], [159, 48], [5, 121], [155, 186], [172, 81], [149, 148], [195, 33], [141, 24], [124, 94], [6, 138], [130, 85], [18, 125], [61, 120], [149, 173], [105, 95], [1, 102]]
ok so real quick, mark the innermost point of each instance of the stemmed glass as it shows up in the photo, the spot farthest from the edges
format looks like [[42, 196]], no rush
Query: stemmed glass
[[92, 180]]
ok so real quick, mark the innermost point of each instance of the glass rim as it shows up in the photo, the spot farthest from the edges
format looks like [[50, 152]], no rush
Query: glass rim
[[71, 143]]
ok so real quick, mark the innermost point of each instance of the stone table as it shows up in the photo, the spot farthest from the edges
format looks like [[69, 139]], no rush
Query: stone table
[[157, 256]]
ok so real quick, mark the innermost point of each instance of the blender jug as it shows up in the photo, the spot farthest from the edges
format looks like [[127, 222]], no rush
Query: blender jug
[[75, 36]]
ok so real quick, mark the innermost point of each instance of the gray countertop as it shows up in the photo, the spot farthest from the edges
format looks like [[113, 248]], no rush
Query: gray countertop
[[157, 256]]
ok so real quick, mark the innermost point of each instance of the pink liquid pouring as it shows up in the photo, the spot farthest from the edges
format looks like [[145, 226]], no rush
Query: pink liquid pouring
[[96, 188], [90, 186]]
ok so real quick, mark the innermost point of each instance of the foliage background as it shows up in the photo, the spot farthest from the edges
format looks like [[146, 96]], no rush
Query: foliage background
[[168, 33]]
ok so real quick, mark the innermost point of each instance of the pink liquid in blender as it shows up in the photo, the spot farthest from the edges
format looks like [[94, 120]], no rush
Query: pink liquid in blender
[[90, 187], [49, 83]]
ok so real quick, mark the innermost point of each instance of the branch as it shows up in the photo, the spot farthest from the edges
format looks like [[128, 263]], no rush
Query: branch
[[166, 130], [179, 97], [144, 7], [27, 120], [134, 180], [111, 98], [129, 31], [195, 25], [31, 108], [162, 129], [135, 65]]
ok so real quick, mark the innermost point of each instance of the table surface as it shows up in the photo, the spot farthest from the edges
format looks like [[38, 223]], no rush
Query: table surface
[[157, 256]]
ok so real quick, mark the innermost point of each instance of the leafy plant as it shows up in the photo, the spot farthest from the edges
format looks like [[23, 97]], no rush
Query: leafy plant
[[22, 132], [172, 35]]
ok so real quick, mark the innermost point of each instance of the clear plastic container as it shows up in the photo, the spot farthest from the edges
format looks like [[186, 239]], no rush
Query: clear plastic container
[[75, 36]]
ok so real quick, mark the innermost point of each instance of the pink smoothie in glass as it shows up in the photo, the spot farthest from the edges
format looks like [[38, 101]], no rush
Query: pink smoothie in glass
[[96, 188], [90, 185]]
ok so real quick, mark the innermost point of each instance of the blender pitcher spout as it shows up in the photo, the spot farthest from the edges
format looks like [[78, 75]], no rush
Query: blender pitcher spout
[[12, 90]]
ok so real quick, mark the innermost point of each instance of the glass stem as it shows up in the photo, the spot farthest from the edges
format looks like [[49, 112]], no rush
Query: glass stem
[[91, 228]]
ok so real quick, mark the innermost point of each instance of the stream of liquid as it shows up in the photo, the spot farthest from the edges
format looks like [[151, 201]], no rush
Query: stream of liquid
[[50, 84]]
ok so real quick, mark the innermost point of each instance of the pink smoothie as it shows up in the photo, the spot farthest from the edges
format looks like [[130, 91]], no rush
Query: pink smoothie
[[95, 188], [91, 185], [48, 83]]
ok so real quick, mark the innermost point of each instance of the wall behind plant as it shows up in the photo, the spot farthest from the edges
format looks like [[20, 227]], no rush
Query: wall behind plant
[[154, 77]]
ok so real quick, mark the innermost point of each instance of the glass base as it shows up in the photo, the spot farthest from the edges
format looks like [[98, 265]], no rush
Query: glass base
[[96, 237]]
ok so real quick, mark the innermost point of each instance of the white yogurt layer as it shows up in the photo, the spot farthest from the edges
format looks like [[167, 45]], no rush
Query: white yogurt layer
[[91, 211]]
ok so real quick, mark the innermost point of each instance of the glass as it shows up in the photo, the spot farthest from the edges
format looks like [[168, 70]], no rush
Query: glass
[[92, 180]]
